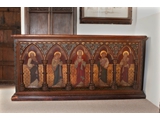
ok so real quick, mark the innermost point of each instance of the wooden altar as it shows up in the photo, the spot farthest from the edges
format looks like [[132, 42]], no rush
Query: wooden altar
[[78, 67]]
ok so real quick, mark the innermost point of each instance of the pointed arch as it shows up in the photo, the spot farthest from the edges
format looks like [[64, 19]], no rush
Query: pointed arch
[[86, 56], [25, 56], [34, 48], [54, 49], [130, 50], [105, 48]]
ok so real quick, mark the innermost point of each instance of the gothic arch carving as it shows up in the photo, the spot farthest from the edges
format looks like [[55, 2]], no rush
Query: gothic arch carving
[[53, 49], [34, 48]]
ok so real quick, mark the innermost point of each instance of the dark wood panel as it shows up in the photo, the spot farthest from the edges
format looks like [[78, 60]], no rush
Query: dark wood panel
[[8, 73], [10, 23], [7, 36], [6, 63], [1, 53], [11, 18], [62, 9], [9, 9], [8, 54], [1, 36], [6, 45], [62, 24], [55, 20], [38, 23], [38, 9], [1, 72]]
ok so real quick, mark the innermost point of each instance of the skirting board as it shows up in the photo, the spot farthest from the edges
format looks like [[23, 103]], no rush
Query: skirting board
[[77, 95]]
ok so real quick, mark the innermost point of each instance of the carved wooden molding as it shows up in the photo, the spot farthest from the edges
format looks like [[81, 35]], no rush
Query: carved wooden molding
[[38, 9], [62, 9]]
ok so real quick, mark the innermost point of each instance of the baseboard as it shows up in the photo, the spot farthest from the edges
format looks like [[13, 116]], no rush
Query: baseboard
[[75, 95], [7, 82]]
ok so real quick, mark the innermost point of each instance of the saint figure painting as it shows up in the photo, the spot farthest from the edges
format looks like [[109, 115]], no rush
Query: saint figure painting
[[102, 66], [80, 67], [32, 65], [57, 69], [124, 63]]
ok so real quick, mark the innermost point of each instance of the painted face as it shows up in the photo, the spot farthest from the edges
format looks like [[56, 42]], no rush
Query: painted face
[[104, 55], [79, 56], [125, 55], [32, 55], [57, 56]]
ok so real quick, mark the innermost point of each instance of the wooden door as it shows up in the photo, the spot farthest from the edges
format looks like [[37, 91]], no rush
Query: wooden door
[[9, 25], [51, 20]]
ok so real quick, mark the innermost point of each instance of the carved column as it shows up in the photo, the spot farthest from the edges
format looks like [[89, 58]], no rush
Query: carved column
[[68, 85], [22, 86], [44, 85], [91, 85], [135, 85], [114, 86]]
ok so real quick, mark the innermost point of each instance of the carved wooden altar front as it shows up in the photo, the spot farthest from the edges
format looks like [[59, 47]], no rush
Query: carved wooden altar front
[[77, 67]]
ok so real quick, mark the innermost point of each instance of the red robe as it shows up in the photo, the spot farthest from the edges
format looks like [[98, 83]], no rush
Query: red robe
[[80, 73]]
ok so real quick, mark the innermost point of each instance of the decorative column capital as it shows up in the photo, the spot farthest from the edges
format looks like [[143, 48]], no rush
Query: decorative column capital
[[91, 61], [114, 61], [44, 62], [69, 61]]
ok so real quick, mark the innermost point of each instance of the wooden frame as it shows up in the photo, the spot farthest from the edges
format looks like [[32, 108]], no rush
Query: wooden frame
[[98, 15], [98, 83], [47, 20]]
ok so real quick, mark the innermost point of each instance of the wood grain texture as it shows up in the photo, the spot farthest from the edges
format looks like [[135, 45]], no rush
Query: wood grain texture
[[10, 23], [51, 20], [38, 23], [62, 24]]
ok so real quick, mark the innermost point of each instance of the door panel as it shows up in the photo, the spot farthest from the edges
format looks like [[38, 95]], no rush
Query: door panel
[[1, 49], [1, 36], [39, 23], [8, 54], [62, 24], [0, 72], [9, 24], [7, 36], [8, 73]]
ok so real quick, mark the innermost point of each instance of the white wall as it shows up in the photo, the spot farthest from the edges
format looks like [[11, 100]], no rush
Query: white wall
[[106, 29], [145, 22], [148, 23]]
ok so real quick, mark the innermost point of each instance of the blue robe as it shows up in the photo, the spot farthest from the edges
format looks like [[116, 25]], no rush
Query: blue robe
[[57, 74]]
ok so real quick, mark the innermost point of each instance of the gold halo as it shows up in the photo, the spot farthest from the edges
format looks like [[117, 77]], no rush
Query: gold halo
[[57, 53], [126, 52], [29, 54], [103, 51], [78, 52]]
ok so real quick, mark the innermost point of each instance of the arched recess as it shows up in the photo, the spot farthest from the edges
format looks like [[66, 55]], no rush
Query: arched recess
[[125, 67], [26, 70], [97, 67], [50, 73], [34, 48], [109, 53], [129, 49], [84, 69]]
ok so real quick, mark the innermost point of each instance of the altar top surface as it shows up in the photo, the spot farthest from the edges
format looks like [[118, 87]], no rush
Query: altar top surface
[[18, 36]]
